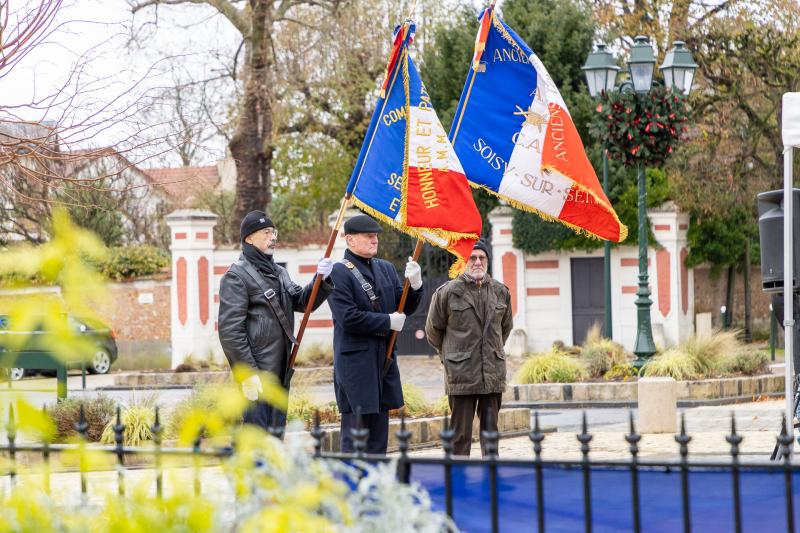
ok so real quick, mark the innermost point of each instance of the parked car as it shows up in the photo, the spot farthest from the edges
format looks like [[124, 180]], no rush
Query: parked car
[[103, 338]]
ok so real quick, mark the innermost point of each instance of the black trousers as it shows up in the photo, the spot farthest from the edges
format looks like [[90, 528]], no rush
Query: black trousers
[[376, 423], [462, 409], [264, 415]]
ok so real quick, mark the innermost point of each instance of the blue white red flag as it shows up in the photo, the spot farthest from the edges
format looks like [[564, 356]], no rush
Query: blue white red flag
[[407, 173], [515, 138]]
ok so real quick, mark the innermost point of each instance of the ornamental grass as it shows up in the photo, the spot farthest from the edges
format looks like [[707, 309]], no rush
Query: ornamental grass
[[550, 367], [600, 355]]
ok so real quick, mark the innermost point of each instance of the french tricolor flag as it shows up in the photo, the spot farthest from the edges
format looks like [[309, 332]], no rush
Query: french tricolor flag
[[514, 137], [408, 174]]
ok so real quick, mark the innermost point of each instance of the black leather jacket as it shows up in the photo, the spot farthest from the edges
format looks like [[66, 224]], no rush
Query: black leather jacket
[[249, 331]]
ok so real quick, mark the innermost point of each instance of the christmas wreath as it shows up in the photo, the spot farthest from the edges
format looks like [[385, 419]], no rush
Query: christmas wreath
[[641, 128]]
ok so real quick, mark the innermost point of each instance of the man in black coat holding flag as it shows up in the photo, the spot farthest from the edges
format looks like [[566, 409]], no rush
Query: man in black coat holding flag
[[364, 308], [257, 302]]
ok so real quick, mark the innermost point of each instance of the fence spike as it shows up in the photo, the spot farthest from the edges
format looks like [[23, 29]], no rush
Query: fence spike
[[785, 440], [46, 457], [275, 429], [403, 435], [683, 439], [119, 438], [734, 439], [157, 428], [536, 436], [584, 437], [359, 434], [318, 434], [491, 438], [11, 431], [81, 426], [633, 438], [447, 435], [196, 460]]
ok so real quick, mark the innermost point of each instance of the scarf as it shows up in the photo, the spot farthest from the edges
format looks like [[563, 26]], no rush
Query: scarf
[[262, 262]]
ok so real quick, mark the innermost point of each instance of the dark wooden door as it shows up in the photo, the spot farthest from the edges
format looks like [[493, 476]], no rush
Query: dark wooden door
[[587, 296], [411, 341]]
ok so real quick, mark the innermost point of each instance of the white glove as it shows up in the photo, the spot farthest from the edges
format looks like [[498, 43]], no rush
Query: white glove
[[396, 321], [414, 274], [324, 267], [251, 388]]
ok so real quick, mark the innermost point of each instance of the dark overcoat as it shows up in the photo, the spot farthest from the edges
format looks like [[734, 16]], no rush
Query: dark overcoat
[[360, 335], [249, 330]]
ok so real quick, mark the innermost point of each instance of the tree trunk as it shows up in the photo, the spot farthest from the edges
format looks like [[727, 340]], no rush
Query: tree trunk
[[748, 325], [251, 144]]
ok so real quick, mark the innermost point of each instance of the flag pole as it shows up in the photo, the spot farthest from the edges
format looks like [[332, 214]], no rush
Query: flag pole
[[400, 306], [315, 288], [417, 248]]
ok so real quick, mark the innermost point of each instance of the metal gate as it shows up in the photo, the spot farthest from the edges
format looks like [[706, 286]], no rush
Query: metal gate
[[411, 341], [587, 296]]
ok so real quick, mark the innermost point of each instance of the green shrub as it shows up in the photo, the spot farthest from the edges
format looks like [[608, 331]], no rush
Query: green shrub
[[203, 398], [414, 400], [97, 411], [621, 372], [137, 421], [674, 363], [301, 407], [133, 261], [442, 405], [315, 354], [551, 367], [600, 355], [748, 362]]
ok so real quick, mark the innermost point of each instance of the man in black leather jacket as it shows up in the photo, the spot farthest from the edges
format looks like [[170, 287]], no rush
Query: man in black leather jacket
[[255, 330]]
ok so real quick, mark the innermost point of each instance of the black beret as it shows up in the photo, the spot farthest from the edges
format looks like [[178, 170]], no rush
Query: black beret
[[252, 222], [481, 245], [361, 224]]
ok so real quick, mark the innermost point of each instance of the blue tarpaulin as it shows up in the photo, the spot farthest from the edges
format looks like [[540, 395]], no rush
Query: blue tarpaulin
[[711, 497]]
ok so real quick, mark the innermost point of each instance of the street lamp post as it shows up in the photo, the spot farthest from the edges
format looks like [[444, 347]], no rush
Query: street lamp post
[[601, 75], [640, 67], [678, 70]]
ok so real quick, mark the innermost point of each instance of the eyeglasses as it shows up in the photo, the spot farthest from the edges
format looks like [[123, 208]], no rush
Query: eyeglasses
[[271, 231], [476, 258]]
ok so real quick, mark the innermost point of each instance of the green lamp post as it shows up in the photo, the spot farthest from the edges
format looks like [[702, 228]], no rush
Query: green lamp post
[[640, 66], [678, 70], [601, 76]]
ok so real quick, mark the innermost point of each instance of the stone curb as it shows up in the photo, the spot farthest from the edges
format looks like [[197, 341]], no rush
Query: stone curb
[[622, 393], [425, 431], [155, 380], [602, 404]]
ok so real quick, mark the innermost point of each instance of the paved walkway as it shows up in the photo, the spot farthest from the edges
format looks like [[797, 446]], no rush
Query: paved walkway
[[758, 423]]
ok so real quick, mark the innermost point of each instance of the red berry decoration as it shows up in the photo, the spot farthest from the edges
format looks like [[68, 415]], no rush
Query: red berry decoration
[[641, 129]]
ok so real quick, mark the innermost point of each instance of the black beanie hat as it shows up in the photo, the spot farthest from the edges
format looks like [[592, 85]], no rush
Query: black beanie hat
[[252, 222], [481, 245]]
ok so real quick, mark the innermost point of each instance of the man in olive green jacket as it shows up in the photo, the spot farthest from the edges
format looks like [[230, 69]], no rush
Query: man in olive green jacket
[[469, 321]]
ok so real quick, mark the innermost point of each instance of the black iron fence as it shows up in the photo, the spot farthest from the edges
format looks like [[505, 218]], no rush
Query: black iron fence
[[557, 495]]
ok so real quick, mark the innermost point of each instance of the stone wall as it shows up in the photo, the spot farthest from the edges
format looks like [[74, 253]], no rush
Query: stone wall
[[710, 293]]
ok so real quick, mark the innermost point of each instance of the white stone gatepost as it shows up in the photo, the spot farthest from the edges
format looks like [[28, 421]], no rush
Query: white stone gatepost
[[508, 266], [672, 283], [192, 291]]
